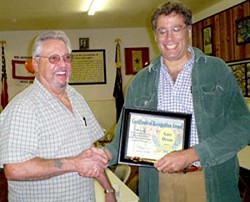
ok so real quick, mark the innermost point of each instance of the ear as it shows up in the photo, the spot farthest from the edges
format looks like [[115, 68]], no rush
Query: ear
[[190, 32], [35, 65]]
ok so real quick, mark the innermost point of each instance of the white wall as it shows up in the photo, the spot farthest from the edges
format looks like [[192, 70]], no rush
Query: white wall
[[99, 97]]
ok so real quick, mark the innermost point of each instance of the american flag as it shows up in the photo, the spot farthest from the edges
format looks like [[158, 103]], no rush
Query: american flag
[[118, 93], [4, 94]]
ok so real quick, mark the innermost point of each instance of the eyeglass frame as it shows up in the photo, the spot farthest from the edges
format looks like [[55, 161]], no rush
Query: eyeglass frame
[[58, 58], [175, 30]]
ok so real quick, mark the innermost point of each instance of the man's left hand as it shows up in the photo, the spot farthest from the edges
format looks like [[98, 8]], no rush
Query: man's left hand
[[176, 161]]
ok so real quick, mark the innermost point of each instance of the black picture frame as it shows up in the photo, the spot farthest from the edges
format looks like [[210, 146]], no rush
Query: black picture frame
[[207, 40], [148, 135], [88, 67], [242, 30]]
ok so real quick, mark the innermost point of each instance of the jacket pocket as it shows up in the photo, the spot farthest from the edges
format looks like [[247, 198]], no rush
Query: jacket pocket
[[212, 100], [144, 101]]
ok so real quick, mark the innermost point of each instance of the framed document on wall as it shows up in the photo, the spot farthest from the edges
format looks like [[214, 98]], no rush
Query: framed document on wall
[[147, 136], [88, 67]]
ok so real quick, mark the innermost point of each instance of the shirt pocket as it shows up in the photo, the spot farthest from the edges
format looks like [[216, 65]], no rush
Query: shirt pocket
[[212, 100]]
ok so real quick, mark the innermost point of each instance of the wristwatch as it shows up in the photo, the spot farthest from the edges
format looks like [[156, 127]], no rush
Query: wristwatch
[[111, 190]]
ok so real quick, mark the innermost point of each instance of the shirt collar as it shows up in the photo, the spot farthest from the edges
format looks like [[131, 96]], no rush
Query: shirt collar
[[188, 66]]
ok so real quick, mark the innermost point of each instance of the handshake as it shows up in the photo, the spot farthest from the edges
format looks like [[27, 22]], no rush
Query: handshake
[[92, 162]]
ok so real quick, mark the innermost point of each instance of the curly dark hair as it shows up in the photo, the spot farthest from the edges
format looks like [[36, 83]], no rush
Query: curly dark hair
[[172, 7]]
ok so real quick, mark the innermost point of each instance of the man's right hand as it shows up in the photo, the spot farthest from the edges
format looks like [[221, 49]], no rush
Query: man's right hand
[[91, 162]]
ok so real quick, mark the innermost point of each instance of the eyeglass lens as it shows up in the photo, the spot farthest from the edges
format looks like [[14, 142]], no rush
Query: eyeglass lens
[[53, 59]]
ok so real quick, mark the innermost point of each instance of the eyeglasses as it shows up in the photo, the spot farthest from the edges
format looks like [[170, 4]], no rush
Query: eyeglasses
[[177, 30], [54, 59]]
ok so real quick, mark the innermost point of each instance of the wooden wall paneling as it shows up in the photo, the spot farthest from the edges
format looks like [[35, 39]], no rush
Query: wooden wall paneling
[[221, 31], [207, 22], [194, 35], [217, 37], [226, 38], [199, 31], [224, 33], [197, 35], [242, 51]]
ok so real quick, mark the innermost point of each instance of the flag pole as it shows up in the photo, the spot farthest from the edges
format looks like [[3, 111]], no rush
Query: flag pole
[[4, 93], [118, 92], [118, 53]]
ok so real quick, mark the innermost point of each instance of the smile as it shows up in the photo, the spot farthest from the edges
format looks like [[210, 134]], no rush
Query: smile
[[171, 46]]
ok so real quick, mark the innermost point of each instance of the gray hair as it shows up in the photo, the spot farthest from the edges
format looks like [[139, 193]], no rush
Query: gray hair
[[172, 7], [53, 34]]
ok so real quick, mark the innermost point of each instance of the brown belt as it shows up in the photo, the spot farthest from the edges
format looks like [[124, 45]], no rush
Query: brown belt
[[191, 168]]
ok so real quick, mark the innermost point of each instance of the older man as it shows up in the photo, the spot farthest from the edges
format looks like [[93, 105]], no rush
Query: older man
[[47, 133]]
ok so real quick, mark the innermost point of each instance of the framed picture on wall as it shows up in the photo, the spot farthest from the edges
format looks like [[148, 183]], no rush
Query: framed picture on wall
[[83, 43], [243, 30], [20, 71], [207, 39], [241, 70], [136, 59]]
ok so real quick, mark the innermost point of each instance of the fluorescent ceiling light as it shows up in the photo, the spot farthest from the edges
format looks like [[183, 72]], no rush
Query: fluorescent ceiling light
[[93, 7]]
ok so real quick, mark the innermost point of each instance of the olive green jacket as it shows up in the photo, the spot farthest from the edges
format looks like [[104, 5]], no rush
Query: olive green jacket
[[222, 120]]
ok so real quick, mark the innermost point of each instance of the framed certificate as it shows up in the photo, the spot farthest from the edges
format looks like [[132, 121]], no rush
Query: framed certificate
[[88, 67], [147, 136]]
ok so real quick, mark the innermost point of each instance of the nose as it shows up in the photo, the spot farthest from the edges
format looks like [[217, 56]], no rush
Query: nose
[[169, 34], [61, 62]]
